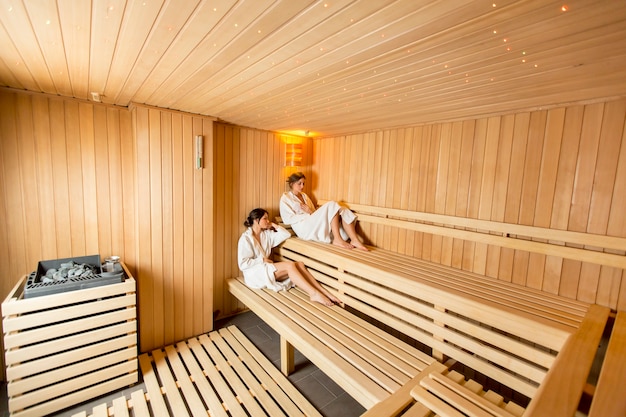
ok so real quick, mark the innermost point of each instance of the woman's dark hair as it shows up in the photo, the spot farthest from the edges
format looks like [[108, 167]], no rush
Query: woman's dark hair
[[295, 177], [256, 214]]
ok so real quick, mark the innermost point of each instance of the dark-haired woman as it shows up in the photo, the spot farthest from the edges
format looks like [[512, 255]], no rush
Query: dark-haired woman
[[330, 223], [260, 271]]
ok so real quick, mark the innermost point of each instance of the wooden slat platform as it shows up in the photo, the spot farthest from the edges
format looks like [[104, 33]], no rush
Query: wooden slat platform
[[218, 374]]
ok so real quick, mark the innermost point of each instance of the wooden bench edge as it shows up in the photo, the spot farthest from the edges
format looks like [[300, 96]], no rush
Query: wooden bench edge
[[560, 392], [609, 399]]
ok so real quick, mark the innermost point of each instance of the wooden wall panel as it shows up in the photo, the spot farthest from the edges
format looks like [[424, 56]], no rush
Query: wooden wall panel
[[561, 168], [79, 178], [62, 190], [175, 212]]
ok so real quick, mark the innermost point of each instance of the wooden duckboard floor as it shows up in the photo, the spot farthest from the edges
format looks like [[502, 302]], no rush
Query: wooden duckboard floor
[[218, 374]]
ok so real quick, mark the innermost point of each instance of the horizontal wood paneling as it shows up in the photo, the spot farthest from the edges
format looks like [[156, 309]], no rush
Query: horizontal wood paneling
[[562, 168]]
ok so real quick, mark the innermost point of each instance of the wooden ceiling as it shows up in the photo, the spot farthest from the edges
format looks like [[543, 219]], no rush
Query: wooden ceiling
[[330, 67]]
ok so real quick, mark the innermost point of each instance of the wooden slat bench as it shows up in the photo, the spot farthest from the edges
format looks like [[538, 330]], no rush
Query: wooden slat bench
[[365, 361], [218, 374], [510, 333]]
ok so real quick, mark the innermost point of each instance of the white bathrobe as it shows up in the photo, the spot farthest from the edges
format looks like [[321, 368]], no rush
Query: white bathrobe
[[314, 226], [256, 272]]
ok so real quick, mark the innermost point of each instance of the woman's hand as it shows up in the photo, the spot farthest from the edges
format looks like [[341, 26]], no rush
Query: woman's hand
[[305, 208], [268, 260]]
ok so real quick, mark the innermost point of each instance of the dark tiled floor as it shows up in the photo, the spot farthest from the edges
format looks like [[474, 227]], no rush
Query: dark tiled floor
[[320, 390]]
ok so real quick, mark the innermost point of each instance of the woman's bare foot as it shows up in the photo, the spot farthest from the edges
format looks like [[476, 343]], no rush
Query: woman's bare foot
[[360, 246], [322, 299], [342, 243], [333, 299]]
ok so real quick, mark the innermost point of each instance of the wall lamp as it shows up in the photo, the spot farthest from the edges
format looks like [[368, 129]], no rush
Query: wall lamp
[[293, 154]]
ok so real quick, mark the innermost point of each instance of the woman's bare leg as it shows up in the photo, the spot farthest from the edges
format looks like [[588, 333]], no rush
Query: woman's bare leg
[[305, 272], [350, 229], [337, 239], [289, 269]]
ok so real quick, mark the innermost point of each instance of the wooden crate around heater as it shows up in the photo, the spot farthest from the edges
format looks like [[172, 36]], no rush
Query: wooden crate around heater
[[66, 348]]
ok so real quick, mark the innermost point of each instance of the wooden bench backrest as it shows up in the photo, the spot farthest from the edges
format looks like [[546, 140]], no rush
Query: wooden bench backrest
[[586, 247]]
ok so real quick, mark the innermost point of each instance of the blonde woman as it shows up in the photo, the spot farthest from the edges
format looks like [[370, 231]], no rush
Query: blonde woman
[[330, 223]]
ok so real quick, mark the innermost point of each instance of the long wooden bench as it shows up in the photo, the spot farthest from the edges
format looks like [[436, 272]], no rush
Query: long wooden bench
[[519, 337], [366, 362]]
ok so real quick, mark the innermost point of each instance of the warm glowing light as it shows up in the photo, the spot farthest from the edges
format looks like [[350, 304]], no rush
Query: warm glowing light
[[564, 8], [293, 154]]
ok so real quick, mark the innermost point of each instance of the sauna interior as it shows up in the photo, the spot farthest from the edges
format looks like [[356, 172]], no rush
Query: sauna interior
[[503, 110]]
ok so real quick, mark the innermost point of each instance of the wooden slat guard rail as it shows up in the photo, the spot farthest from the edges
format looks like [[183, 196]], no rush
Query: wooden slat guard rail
[[597, 249]]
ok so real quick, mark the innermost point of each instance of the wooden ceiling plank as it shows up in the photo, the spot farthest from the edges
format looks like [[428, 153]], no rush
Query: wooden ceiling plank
[[483, 106], [106, 20], [45, 22], [13, 72], [173, 18], [400, 69], [75, 18], [551, 63], [351, 39], [228, 29], [568, 55], [278, 47], [137, 22], [17, 24]]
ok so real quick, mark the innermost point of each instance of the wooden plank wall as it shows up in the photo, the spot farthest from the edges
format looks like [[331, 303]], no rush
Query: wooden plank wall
[[131, 189], [67, 166], [249, 173], [175, 231], [79, 178], [563, 168]]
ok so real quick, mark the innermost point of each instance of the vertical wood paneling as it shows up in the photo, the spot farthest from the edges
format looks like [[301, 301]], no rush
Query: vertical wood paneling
[[498, 205], [66, 187], [561, 168], [175, 226]]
